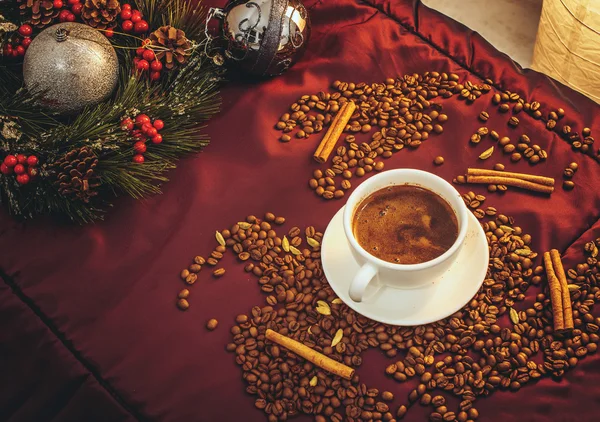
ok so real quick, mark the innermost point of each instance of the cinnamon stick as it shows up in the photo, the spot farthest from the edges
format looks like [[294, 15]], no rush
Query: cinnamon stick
[[542, 180], [566, 295], [311, 355], [555, 294], [510, 181], [335, 130]]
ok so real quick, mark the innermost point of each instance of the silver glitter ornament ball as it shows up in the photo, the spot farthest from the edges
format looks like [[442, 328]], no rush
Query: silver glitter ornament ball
[[263, 37], [72, 66]]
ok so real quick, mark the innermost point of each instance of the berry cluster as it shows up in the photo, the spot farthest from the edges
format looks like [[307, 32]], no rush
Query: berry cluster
[[146, 61], [142, 129], [18, 43], [24, 167], [67, 15], [133, 20]]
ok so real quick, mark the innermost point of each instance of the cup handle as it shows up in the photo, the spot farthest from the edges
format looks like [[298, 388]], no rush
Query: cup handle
[[361, 281]]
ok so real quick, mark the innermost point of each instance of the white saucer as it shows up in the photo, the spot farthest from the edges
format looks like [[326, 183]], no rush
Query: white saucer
[[430, 303]]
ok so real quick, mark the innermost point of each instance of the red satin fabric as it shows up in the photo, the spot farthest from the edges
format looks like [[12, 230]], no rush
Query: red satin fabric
[[88, 326]]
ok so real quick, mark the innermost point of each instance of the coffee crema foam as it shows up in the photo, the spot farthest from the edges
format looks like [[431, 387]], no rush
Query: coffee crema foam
[[405, 224]]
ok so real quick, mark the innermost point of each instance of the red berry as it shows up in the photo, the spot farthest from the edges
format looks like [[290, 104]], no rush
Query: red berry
[[21, 158], [4, 169], [151, 132], [140, 51], [127, 26], [62, 16], [32, 172], [14, 53], [126, 14], [109, 33], [143, 65], [25, 42], [154, 76], [20, 50], [138, 158], [126, 6], [57, 4], [70, 17], [156, 66], [25, 30], [127, 124], [76, 9], [10, 161], [138, 135], [139, 147], [7, 50], [136, 61], [148, 55], [145, 127], [19, 169], [140, 119], [141, 27], [157, 139], [32, 161], [136, 16], [72, 2], [158, 124], [23, 179]]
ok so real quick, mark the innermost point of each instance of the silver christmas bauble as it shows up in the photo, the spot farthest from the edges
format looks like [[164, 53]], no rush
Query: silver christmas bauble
[[264, 37], [72, 66]]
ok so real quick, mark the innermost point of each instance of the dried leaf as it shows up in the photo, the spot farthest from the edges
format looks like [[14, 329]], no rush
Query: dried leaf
[[220, 238], [244, 225], [507, 229], [295, 251], [337, 338], [514, 316], [487, 153], [313, 381], [285, 244], [323, 308], [312, 242], [573, 287], [337, 301]]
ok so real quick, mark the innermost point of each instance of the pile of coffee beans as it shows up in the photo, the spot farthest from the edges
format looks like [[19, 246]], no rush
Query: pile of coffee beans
[[507, 100], [490, 344], [523, 149], [398, 111]]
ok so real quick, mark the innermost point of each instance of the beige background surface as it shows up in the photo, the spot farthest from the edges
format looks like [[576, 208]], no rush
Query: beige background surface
[[510, 25]]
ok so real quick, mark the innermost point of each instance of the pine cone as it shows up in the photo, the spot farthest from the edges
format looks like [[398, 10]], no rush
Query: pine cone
[[38, 13], [175, 42], [75, 174], [101, 14]]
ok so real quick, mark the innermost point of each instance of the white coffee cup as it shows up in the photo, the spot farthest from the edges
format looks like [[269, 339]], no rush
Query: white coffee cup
[[402, 276]]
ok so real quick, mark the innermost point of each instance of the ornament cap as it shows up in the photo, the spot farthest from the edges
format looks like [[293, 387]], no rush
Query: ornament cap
[[61, 34]]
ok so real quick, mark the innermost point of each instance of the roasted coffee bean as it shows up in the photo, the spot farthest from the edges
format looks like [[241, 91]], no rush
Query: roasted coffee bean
[[184, 294], [568, 185], [183, 304], [211, 324], [439, 160], [484, 116], [475, 138], [503, 108], [513, 121], [499, 167], [494, 135]]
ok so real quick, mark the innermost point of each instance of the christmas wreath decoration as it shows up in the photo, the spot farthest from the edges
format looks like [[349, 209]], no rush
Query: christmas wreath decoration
[[68, 147]]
